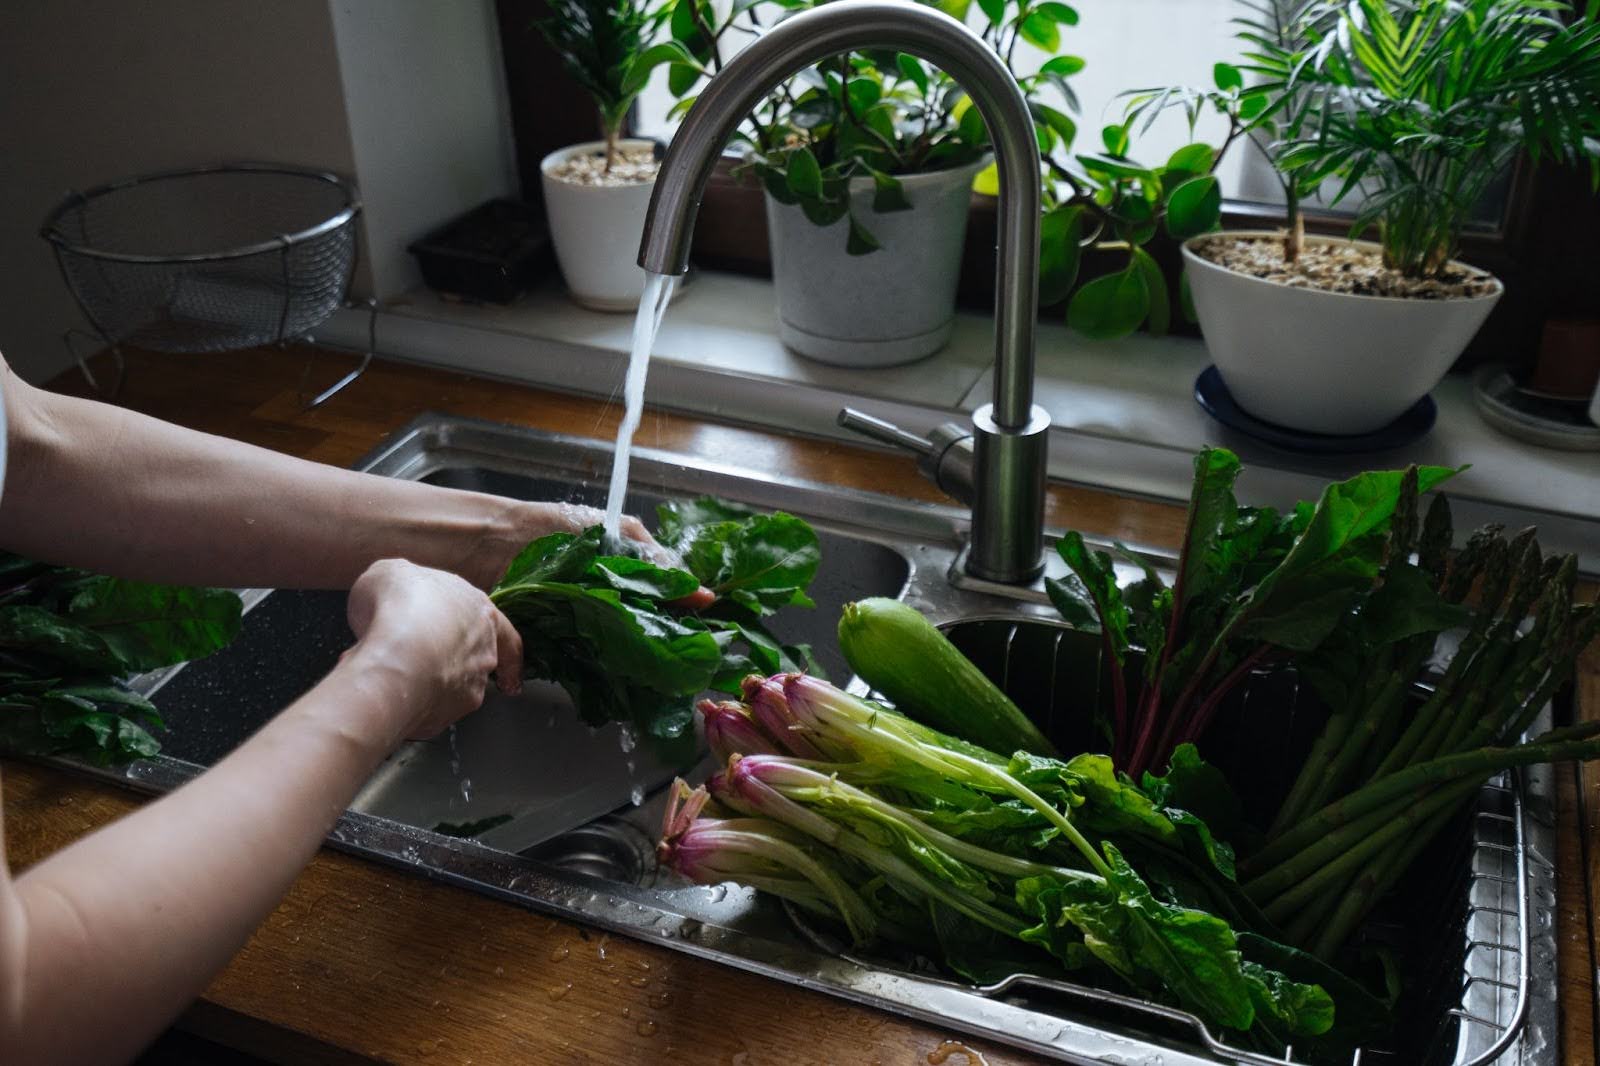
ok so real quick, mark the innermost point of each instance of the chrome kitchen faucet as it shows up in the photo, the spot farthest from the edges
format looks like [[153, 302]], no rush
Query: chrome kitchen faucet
[[1008, 435]]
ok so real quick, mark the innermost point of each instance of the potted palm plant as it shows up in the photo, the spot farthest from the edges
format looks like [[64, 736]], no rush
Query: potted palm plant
[[868, 162], [1417, 106], [596, 193]]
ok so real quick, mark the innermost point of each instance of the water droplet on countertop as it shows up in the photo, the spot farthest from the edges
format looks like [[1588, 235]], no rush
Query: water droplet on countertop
[[645, 1028], [561, 952], [939, 1055], [638, 982], [661, 1000], [556, 992]]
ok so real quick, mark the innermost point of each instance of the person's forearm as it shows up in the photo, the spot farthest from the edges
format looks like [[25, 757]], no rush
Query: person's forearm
[[123, 929], [99, 487]]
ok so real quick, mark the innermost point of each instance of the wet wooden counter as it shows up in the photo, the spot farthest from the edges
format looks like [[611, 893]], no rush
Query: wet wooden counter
[[363, 963]]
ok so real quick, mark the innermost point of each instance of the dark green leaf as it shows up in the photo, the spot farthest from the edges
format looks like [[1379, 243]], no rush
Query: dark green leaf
[[644, 578], [1058, 122], [971, 127], [912, 70], [1155, 283], [1097, 577], [150, 626], [1195, 207], [1194, 158], [805, 176], [887, 192], [666, 52], [1110, 306], [1193, 784], [35, 632], [993, 10], [860, 241], [681, 77], [1227, 77], [1060, 252], [863, 92]]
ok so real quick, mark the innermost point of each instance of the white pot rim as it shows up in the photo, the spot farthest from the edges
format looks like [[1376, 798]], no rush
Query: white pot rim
[[561, 155], [1197, 261]]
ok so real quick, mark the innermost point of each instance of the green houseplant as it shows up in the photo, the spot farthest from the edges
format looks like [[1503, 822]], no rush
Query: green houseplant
[[867, 161], [596, 192], [1417, 106]]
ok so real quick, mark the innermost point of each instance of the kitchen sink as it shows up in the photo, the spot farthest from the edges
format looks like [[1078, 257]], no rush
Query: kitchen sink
[[524, 763], [523, 803]]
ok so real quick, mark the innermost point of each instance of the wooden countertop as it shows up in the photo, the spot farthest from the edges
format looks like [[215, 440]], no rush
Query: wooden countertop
[[363, 963]]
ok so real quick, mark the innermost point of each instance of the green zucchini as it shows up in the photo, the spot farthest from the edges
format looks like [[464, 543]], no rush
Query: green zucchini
[[904, 657]]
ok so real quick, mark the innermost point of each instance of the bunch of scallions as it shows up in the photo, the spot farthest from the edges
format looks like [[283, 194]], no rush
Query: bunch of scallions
[[998, 865]]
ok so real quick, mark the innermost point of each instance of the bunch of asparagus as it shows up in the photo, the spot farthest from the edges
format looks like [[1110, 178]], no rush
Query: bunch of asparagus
[[1392, 767]]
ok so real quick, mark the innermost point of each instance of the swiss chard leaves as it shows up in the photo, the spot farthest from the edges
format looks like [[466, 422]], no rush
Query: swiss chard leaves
[[1250, 583], [68, 637], [608, 629]]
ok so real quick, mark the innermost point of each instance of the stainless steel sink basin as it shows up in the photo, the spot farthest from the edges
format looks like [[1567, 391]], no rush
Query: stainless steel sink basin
[[570, 839], [525, 764]]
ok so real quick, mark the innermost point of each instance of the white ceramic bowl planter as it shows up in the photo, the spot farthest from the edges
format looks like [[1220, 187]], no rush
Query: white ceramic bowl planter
[[1326, 362], [893, 306], [596, 230]]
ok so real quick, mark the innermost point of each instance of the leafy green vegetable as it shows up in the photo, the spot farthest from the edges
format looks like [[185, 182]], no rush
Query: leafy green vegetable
[[68, 637], [606, 626], [907, 836], [1251, 584]]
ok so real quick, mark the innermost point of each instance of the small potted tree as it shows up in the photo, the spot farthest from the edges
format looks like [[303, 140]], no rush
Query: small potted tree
[[1417, 105], [868, 162], [596, 193]]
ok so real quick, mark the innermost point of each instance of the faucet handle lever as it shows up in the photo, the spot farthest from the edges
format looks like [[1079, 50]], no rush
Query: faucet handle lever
[[886, 432], [944, 457]]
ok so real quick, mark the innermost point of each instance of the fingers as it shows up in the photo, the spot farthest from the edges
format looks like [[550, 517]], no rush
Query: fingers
[[508, 655], [697, 600]]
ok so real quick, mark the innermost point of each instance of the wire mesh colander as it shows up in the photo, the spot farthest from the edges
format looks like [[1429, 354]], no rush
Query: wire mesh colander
[[210, 259]]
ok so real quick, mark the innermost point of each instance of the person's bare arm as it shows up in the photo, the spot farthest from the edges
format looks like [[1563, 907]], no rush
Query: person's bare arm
[[103, 943], [98, 487]]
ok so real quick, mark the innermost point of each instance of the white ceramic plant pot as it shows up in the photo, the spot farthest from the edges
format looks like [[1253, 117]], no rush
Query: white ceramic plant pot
[[893, 306], [1326, 362], [596, 231]]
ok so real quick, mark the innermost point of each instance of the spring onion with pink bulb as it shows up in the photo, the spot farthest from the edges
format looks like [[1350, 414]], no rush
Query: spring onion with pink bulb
[[995, 865]]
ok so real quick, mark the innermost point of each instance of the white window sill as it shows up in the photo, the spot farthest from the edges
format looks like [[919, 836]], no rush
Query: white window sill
[[1123, 413]]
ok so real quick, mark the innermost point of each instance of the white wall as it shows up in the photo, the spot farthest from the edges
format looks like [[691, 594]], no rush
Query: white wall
[[405, 96], [424, 92], [99, 89]]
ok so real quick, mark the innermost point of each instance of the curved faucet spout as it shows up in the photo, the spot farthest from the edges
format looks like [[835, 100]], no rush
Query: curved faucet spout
[[1008, 504]]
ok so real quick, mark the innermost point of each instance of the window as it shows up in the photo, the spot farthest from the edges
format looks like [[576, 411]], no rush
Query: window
[[1128, 45]]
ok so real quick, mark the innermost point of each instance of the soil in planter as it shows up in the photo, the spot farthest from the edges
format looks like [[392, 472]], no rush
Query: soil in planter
[[633, 166], [1338, 267]]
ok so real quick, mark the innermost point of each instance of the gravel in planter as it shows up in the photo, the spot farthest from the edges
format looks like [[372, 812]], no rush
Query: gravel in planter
[[634, 166], [1338, 267]]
